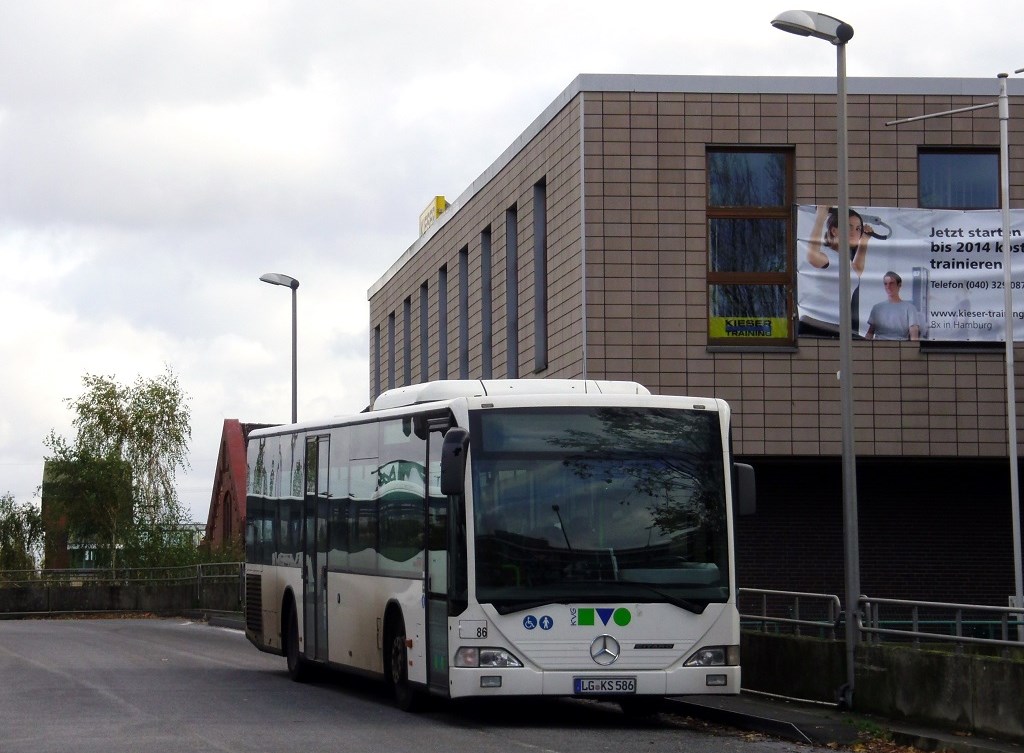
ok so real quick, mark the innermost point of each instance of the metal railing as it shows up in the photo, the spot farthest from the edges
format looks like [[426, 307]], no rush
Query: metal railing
[[79, 591], [792, 611], [941, 622], [917, 623], [207, 572]]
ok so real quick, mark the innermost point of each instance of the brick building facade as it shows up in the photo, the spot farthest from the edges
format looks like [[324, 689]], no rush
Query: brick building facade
[[225, 522], [584, 250]]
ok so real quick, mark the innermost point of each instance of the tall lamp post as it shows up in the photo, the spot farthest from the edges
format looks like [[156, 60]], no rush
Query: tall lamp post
[[289, 282], [810, 24], [1011, 382]]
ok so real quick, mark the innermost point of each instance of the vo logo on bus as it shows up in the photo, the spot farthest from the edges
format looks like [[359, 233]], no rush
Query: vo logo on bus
[[589, 616]]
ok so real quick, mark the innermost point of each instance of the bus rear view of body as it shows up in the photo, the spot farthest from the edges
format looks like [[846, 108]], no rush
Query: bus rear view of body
[[505, 537]]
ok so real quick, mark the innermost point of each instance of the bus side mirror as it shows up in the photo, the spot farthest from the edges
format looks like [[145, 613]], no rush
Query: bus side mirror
[[744, 489], [453, 461]]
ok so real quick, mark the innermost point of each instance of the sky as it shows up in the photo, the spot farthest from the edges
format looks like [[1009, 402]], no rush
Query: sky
[[156, 158]]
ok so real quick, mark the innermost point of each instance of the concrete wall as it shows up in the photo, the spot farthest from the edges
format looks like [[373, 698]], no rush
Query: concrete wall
[[981, 695], [132, 597], [808, 668]]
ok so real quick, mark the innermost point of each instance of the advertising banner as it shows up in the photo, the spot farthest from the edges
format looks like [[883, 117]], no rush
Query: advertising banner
[[915, 273]]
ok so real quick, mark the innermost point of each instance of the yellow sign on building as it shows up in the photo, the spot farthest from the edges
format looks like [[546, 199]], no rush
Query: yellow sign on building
[[434, 210]]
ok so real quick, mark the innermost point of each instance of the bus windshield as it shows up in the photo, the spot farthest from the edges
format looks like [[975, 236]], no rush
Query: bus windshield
[[599, 504]]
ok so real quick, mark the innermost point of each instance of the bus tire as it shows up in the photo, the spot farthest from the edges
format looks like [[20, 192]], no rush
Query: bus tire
[[298, 668], [396, 666]]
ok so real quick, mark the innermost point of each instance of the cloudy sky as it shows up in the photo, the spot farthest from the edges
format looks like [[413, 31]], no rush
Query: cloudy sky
[[157, 157]]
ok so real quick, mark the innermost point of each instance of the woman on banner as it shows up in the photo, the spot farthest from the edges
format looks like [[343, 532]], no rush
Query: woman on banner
[[825, 237]]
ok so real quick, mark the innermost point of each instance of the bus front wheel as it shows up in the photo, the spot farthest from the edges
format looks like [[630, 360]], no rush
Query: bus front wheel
[[397, 667]]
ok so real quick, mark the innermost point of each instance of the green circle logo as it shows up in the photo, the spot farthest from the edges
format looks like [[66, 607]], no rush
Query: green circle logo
[[622, 617]]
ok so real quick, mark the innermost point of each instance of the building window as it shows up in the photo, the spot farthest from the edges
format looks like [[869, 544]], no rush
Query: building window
[[512, 292], [464, 313], [424, 333], [486, 322], [540, 276], [407, 341], [376, 360], [391, 350], [958, 179], [750, 241], [442, 322]]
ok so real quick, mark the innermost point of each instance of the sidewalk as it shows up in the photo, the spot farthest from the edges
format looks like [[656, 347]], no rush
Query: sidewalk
[[233, 620], [826, 725]]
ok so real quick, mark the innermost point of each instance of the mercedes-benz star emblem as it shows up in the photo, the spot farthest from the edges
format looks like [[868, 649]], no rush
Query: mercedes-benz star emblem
[[604, 650]]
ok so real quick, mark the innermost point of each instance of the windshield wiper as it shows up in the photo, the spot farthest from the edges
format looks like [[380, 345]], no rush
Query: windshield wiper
[[508, 607], [690, 605], [697, 607]]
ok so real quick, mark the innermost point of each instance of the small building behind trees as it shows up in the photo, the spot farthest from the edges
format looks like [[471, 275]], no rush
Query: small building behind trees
[[87, 506]]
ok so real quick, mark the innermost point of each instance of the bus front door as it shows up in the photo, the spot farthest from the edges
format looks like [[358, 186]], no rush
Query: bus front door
[[437, 570], [314, 571]]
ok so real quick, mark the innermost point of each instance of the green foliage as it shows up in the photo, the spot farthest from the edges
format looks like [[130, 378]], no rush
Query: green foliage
[[167, 542], [230, 551], [115, 485], [146, 425], [21, 534]]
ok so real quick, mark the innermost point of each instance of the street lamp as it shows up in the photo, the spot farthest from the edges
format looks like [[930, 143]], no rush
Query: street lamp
[[810, 24], [1011, 382], [289, 282]]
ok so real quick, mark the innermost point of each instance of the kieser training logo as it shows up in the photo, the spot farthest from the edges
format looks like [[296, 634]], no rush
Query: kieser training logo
[[585, 616]]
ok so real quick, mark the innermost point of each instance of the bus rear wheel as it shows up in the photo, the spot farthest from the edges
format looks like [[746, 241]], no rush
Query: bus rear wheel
[[396, 668]]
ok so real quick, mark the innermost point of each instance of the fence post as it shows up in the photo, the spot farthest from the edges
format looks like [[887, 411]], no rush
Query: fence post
[[959, 630]]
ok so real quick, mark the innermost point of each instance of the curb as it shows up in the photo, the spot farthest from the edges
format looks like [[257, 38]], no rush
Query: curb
[[805, 726], [774, 727]]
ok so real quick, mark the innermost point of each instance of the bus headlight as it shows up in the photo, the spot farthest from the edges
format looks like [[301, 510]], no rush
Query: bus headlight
[[715, 656], [472, 656]]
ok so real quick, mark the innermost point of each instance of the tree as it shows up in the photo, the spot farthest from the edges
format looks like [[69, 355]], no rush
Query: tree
[[146, 425], [21, 534], [116, 483]]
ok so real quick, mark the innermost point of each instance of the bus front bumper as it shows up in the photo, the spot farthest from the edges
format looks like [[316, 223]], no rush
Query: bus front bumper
[[526, 681]]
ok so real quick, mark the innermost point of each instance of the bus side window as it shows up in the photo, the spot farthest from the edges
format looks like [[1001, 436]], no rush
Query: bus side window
[[362, 511]]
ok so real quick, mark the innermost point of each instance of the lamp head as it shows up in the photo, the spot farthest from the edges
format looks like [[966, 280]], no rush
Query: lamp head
[[807, 23], [275, 278]]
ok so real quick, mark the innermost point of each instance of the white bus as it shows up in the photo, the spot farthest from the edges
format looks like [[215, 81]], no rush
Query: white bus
[[502, 537]]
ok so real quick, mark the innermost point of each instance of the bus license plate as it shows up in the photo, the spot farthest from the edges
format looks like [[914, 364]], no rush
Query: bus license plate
[[604, 685]]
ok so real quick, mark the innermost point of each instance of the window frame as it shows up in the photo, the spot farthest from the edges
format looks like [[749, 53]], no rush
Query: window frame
[[785, 278]]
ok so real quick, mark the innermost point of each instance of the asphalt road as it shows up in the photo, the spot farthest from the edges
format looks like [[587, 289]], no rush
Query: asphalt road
[[170, 685]]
